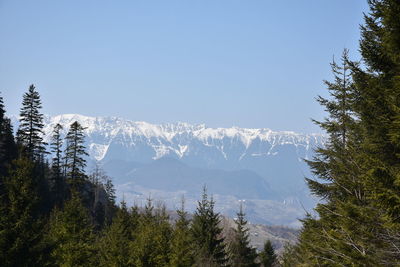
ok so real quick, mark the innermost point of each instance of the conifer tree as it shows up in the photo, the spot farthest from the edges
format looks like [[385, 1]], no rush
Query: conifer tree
[[241, 252], [103, 204], [332, 160], [378, 107], [20, 222], [57, 175], [8, 149], [181, 244], [152, 243], [267, 256], [71, 235], [207, 235], [338, 235], [75, 153], [358, 223], [114, 246], [110, 207], [29, 134]]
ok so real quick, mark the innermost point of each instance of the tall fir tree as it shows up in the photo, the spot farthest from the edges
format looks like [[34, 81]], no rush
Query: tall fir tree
[[152, 242], [181, 243], [241, 252], [58, 183], [21, 226], [345, 215], [75, 153], [268, 257], [110, 208], [359, 222], [71, 235], [30, 131], [378, 106], [114, 245], [207, 234], [8, 149]]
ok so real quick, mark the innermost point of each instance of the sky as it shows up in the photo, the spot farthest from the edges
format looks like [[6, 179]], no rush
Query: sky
[[253, 63]]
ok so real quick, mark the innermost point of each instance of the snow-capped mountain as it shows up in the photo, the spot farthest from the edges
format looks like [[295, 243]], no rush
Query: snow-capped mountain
[[116, 138], [235, 163]]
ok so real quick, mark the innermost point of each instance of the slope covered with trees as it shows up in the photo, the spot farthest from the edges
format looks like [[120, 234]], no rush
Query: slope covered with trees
[[53, 213]]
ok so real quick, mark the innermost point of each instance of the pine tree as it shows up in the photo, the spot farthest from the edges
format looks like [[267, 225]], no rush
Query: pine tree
[[8, 149], [103, 204], [57, 175], [20, 222], [338, 235], [332, 161], [75, 153], [207, 235], [29, 134], [358, 221], [242, 254], [110, 207], [267, 256], [114, 246], [181, 243], [71, 235], [152, 242], [378, 107]]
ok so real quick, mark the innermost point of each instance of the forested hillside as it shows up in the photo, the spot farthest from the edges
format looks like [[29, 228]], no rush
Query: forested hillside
[[55, 214]]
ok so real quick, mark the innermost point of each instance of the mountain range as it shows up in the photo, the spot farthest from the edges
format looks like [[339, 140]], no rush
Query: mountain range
[[264, 168]]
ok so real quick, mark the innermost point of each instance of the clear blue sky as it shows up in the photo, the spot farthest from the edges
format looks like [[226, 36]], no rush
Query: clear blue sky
[[246, 63]]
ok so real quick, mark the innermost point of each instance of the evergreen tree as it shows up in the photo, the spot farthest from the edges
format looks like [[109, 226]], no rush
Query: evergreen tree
[[358, 221], [71, 235], [110, 207], [207, 235], [345, 216], [114, 246], [267, 256], [378, 107], [20, 223], [8, 149], [242, 254], [29, 134], [181, 244], [104, 196], [57, 175], [152, 242], [75, 153]]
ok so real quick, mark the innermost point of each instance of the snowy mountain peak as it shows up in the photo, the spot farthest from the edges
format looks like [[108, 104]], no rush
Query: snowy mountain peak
[[141, 140]]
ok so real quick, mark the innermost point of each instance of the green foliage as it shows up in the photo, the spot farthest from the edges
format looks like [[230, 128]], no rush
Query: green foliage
[[268, 257], [20, 223], [110, 207], [287, 258], [181, 243], [207, 235], [358, 221], [75, 153], [152, 247], [8, 150], [30, 132], [242, 254], [58, 183], [71, 235], [114, 245]]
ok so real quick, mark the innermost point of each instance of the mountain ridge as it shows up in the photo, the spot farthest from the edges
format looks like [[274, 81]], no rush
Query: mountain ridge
[[267, 165]]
